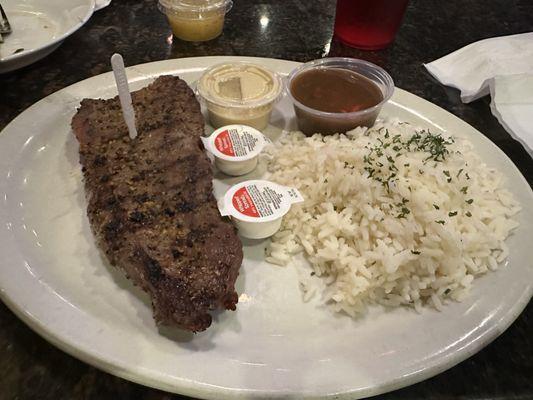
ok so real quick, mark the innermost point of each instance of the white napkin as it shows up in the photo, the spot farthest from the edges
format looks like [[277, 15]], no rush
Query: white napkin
[[469, 69], [512, 104], [501, 66]]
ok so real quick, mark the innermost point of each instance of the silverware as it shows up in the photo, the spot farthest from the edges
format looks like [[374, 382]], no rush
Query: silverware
[[5, 27]]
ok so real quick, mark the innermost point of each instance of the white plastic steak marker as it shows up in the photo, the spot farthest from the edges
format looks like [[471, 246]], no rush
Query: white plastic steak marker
[[236, 148], [257, 207], [117, 63]]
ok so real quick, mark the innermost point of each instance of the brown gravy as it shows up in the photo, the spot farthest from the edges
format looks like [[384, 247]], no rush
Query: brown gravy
[[335, 90]]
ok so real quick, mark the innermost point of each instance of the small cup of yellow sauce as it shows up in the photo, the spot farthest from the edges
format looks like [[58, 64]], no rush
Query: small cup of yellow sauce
[[239, 93], [195, 20]]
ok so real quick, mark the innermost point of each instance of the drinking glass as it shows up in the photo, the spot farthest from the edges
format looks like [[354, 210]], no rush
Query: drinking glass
[[368, 24]]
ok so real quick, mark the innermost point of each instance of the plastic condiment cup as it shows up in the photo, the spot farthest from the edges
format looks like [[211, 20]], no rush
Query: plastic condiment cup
[[312, 121], [257, 207], [195, 20], [236, 148], [239, 93]]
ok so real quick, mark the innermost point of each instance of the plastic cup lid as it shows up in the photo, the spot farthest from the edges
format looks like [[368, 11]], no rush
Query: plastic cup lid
[[235, 142], [258, 201], [194, 5]]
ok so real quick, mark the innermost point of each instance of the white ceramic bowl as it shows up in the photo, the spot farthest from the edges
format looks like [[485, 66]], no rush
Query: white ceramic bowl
[[39, 27]]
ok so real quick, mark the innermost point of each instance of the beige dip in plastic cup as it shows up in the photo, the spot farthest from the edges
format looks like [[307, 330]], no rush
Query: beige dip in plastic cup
[[239, 93], [195, 20]]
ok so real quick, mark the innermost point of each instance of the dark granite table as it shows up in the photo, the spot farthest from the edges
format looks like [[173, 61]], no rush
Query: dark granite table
[[301, 30]]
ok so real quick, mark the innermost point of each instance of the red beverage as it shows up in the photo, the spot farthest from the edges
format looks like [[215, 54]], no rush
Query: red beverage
[[368, 24]]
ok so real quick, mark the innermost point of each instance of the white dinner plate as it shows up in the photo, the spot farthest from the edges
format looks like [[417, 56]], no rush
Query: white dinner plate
[[39, 27], [274, 346]]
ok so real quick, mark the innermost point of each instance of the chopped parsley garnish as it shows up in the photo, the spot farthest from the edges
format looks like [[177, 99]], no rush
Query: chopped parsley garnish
[[415, 252], [452, 213], [403, 213], [468, 214], [436, 207], [434, 144], [440, 222], [464, 189], [370, 171], [470, 201], [379, 160]]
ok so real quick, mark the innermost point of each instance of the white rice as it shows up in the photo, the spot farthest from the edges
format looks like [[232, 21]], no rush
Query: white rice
[[439, 225]]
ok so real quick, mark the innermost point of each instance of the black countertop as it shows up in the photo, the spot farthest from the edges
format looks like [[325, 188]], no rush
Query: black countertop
[[300, 30]]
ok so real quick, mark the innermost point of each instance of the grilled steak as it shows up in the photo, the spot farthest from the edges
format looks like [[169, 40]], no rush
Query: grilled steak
[[151, 206]]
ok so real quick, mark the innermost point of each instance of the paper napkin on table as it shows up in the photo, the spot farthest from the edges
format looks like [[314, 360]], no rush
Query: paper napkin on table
[[501, 66], [512, 104]]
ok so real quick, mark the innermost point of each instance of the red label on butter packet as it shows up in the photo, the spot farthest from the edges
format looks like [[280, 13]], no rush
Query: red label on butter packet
[[235, 142], [242, 201], [224, 144]]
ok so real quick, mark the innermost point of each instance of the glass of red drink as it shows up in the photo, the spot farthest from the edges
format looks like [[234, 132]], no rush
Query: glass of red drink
[[368, 24]]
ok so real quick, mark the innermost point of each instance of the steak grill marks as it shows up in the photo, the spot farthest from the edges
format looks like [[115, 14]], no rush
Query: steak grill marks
[[150, 202]]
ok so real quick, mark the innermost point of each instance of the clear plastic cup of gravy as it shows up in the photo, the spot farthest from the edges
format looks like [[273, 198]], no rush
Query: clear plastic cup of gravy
[[335, 95], [195, 20], [239, 93]]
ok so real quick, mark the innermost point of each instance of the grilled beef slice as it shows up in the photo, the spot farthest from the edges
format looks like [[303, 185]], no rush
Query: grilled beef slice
[[151, 206]]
